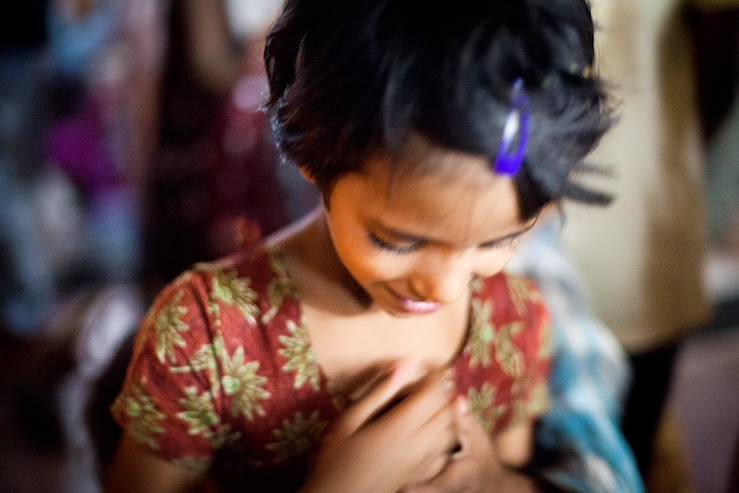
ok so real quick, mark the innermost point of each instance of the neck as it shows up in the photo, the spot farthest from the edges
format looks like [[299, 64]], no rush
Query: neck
[[313, 261]]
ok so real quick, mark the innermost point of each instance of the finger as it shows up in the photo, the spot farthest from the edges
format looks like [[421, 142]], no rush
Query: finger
[[437, 467], [381, 395], [417, 371], [424, 403], [422, 488], [450, 479], [439, 434], [423, 482], [466, 424]]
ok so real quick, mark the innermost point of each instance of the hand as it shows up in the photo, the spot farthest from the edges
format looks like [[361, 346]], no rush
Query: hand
[[477, 467], [409, 443]]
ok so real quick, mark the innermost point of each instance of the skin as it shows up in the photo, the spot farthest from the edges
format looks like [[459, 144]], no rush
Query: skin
[[432, 256], [458, 221], [478, 464], [437, 230]]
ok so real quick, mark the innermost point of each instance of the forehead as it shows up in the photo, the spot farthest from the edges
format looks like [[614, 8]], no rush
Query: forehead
[[440, 194]]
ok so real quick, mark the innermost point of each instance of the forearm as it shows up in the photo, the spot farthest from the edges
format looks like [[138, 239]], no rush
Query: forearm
[[515, 481]]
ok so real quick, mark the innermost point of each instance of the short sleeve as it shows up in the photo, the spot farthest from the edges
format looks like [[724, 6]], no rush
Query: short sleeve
[[531, 389], [169, 402]]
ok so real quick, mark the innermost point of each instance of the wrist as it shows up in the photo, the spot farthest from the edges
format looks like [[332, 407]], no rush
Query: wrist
[[514, 481]]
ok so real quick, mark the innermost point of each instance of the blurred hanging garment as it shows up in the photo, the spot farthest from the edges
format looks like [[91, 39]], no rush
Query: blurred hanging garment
[[579, 444], [642, 256]]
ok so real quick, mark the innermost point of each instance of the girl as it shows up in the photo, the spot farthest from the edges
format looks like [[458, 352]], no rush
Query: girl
[[376, 346]]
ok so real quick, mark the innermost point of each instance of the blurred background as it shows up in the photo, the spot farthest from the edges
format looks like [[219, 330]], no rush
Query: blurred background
[[132, 145]]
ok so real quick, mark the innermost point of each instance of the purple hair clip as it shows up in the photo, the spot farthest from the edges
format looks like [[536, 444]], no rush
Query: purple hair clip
[[510, 157]]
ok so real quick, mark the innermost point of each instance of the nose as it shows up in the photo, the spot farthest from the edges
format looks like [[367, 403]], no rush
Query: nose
[[440, 279]]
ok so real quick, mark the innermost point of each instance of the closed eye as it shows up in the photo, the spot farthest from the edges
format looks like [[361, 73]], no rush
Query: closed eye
[[392, 248], [504, 243]]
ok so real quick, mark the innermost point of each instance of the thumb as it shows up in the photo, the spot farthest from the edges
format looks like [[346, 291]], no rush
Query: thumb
[[404, 372], [465, 422]]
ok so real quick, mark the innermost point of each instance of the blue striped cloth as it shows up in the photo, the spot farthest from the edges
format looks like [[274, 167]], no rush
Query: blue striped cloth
[[579, 444]]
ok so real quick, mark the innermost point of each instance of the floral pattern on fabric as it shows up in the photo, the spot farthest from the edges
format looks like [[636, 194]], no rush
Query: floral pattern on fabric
[[204, 359], [224, 364], [198, 412], [483, 407], [301, 359], [546, 349], [278, 289], [169, 328], [538, 401], [507, 354], [145, 418], [232, 290], [522, 294], [242, 382], [297, 435], [482, 334]]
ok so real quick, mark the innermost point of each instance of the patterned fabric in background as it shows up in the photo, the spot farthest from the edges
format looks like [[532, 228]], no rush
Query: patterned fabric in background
[[579, 444]]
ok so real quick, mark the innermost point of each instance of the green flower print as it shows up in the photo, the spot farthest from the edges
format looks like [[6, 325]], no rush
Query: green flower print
[[297, 435], [232, 290], [168, 328], [301, 359]]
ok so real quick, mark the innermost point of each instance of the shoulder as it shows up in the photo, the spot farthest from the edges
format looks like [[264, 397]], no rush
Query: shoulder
[[233, 300], [253, 282], [513, 297], [505, 364], [512, 310], [206, 366]]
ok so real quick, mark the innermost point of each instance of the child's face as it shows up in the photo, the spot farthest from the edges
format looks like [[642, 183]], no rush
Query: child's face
[[414, 241]]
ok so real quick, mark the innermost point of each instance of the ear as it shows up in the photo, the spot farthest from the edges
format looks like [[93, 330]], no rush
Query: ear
[[306, 175]]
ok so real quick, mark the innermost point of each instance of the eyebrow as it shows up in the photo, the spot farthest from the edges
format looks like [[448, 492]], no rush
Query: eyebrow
[[403, 236]]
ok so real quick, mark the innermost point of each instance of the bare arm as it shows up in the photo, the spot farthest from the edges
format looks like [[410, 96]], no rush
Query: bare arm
[[135, 468]]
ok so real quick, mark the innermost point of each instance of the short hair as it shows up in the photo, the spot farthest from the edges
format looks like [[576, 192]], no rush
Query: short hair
[[348, 78]]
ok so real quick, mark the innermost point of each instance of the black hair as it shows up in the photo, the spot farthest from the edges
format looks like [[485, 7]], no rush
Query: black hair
[[350, 77]]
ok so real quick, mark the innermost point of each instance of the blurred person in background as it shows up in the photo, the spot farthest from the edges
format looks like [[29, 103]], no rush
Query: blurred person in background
[[66, 217], [579, 445], [186, 97], [642, 257], [67, 226], [89, 132], [28, 292], [211, 175]]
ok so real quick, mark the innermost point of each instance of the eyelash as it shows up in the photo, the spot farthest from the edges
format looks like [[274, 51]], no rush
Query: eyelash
[[499, 244], [390, 248], [396, 250]]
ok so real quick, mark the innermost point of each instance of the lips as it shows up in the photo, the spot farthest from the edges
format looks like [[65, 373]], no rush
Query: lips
[[414, 306]]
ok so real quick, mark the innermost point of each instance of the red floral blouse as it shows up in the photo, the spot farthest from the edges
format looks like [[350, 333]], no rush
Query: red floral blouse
[[223, 376]]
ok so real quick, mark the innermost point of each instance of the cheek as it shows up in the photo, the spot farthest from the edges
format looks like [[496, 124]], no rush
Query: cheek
[[377, 269], [363, 261], [494, 262]]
